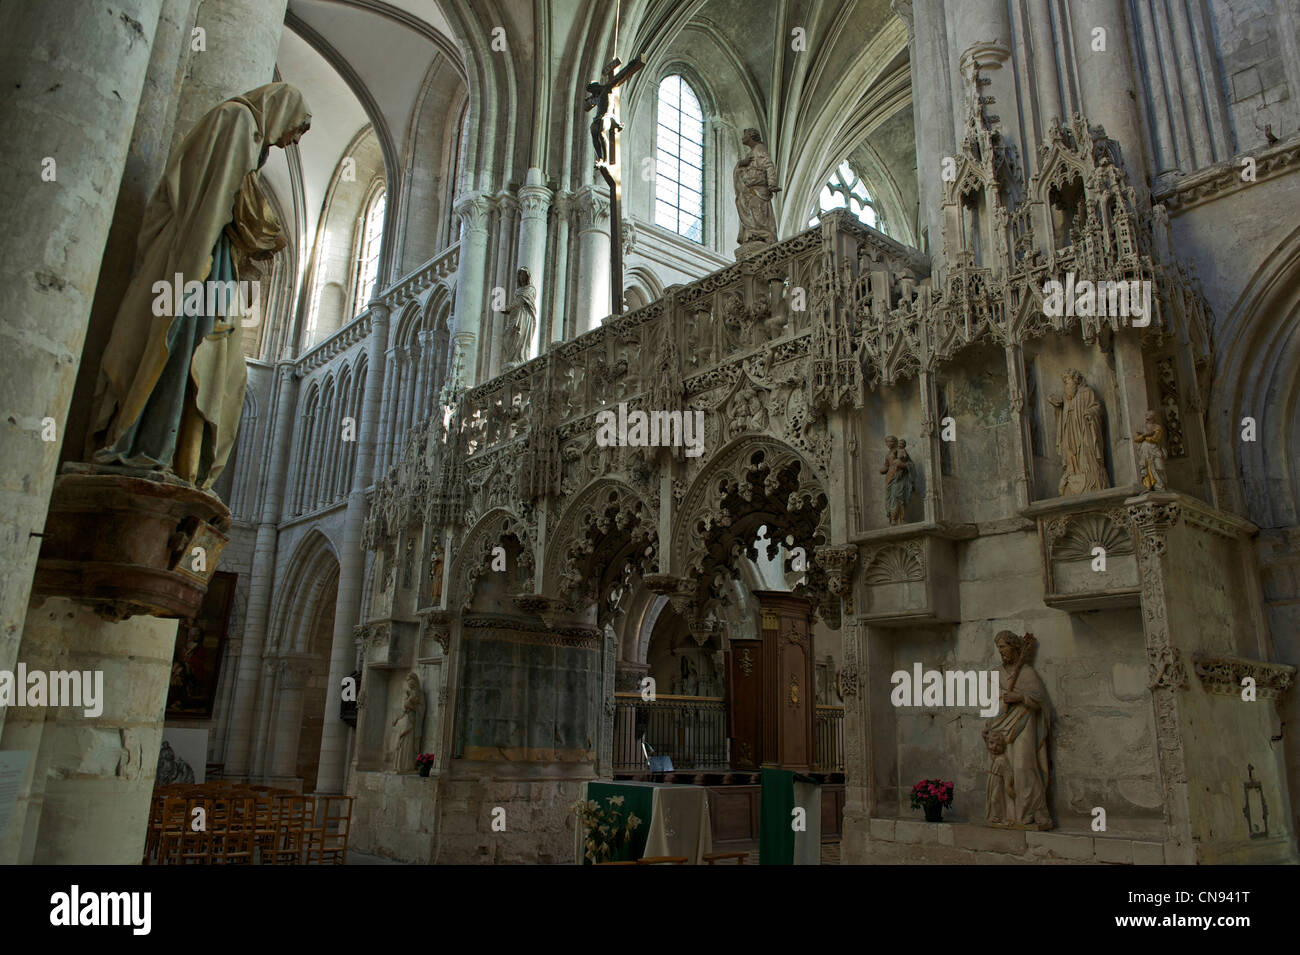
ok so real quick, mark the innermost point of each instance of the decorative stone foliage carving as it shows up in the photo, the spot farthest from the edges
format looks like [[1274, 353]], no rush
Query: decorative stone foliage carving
[[1224, 675]]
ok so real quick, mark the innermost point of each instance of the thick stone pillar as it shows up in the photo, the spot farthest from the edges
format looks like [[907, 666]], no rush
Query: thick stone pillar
[[72, 77], [593, 259], [91, 776], [242, 39], [262, 576], [534, 204], [932, 103], [1108, 82], [471, 274], [352, 566]]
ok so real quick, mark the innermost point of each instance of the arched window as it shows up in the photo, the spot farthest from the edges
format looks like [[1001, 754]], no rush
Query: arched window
[[679, 161], [372, 233], [846, 190]]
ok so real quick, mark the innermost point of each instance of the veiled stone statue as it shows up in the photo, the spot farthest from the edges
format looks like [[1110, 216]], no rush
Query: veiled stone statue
[[1017, 742], [171, 383], [409, 724], [1149, 450], [1079, 437], [898, 479], [521, 320], [755, 181]]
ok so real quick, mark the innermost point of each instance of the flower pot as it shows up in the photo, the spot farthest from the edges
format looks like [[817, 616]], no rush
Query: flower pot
[[934, 812], [424, 768]]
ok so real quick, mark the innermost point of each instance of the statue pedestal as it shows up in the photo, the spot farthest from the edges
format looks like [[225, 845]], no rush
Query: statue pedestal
[[747, 249], [127, 545]]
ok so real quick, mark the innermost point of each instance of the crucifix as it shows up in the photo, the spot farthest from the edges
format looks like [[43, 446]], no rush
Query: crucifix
[[603, 98]]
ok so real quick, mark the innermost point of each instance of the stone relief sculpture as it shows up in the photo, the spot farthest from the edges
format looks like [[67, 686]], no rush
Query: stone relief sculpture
[[409, 724], [898, 479], [1079, 436], [1017, 741], [755, 182], [520, 322], [171, 386], [1149, 450]]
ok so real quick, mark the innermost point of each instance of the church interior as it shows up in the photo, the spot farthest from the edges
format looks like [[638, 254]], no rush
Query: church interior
[[650, 431]]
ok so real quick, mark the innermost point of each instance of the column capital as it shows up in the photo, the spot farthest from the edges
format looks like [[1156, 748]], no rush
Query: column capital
[[593, 208], [535, 201], [473, 209]]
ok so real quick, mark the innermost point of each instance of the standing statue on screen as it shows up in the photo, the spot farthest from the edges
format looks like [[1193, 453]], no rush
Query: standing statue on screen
[[755, 181], [409, 724], [520, 322], [171, 380]]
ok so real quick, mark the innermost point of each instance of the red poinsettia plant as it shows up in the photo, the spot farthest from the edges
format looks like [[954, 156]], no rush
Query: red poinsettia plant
[[423, 758], [930, 792]]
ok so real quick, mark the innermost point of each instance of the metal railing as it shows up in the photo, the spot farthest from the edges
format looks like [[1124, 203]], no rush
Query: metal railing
[[828, 740], [690, 730]]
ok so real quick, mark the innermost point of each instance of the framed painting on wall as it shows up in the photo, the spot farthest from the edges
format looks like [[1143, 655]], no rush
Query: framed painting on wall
[[196, 661]]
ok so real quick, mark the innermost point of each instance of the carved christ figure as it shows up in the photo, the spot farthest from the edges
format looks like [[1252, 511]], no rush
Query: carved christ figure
[[1079, 437], [598, 98], [520, 322], [171, 386], [1017, 741], [755, 182]]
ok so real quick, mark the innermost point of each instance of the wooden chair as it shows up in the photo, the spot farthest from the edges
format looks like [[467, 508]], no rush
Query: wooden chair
[[713, 858], [328, 842], [179, 843], [628, 862], [296, 815], [232, 830], [663, 860]]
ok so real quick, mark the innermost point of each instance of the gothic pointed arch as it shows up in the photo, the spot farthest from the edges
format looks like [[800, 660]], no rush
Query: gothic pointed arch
[[605, 536]]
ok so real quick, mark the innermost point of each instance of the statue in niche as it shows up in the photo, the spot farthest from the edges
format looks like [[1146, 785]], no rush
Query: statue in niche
[[409, 724], [1149, 450], [520, 322], [898, 479], [1017, 741], [435, 577], [755, 182], [1079, 436], [171, 387]]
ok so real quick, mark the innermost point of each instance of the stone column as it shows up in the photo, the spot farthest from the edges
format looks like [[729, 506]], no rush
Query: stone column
[[933, 102], [507, 212], [593, 259], [91, 776], [471, 273], [242, 40], [264, 714], [386, 414], [261, 577], [423, 373], [560, 296], [1108, 82], [534, 204], [352, 566], [72, 77]]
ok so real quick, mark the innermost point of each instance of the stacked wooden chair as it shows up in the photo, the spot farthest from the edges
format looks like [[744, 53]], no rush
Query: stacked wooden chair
[[229, 823]]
